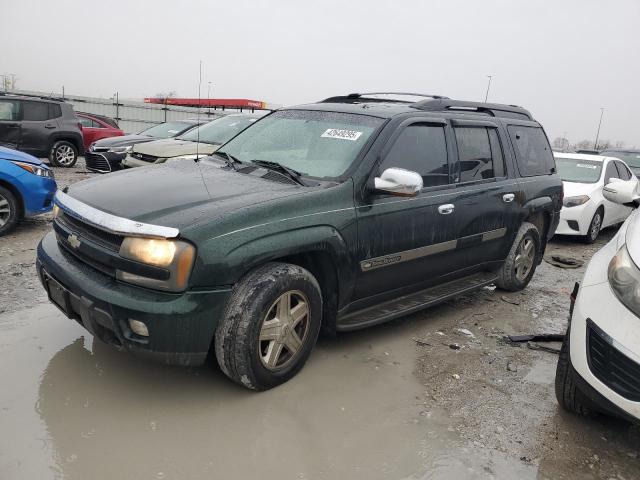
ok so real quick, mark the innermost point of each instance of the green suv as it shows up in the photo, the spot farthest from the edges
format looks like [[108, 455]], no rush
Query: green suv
[[332, 216]]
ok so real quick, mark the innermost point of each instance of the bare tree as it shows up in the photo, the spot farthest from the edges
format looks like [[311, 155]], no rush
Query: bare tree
[[166, 95]]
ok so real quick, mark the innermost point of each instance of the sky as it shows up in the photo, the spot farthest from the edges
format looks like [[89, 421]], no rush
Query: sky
[[563, 60]]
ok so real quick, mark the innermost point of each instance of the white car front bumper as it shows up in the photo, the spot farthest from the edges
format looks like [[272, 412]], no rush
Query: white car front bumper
[[576, 220]]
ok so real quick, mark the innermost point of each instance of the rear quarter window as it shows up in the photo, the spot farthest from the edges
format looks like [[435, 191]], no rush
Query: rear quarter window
[[533, 152]]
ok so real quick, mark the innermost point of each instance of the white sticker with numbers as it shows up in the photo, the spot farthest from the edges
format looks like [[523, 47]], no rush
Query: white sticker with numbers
[[342, 134]]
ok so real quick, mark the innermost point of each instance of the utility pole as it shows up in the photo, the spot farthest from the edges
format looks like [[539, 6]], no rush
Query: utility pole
[[488, 87], [209, 98], [595, 144]]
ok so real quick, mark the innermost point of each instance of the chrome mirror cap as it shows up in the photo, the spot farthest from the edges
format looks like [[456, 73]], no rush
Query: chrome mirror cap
[[398, 181]]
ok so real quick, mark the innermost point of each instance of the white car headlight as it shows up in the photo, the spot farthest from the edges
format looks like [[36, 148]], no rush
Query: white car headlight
[[624, 278], [575, 201], [174, 256], [120, 149]]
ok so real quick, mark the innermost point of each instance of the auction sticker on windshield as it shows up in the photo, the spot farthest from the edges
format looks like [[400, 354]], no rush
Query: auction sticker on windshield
[[342, 134], [582, 165]]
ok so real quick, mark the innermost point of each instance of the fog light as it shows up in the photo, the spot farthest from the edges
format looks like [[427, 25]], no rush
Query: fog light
[[138, 327]]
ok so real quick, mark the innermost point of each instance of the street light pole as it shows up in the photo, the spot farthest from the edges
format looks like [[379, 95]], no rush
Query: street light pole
[[488, 87], [595, 144], [209, 98]]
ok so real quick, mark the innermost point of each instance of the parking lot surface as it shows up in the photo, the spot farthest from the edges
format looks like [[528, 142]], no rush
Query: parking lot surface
[[415, 398]]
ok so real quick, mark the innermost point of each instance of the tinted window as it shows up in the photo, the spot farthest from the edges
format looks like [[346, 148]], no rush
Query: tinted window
[[624, 173], [8, 110], [610, 172], [533, 151], [423, 149], [479, 153], [86, 122], [35, 111], [54, 111]]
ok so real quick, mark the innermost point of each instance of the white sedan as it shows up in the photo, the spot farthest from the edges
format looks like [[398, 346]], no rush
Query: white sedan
[[599, 364], [585, 211]]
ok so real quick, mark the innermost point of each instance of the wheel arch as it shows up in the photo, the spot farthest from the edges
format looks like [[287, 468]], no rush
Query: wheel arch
[[73, 139], [12, 188]]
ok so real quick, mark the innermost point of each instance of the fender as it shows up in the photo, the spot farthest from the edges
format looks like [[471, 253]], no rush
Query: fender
[[229, 268], [540, 204]]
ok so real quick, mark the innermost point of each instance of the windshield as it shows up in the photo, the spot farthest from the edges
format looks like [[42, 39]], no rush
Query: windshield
[[166, 130], [578, 171], [316, 144], [630, 158], [219, 130]]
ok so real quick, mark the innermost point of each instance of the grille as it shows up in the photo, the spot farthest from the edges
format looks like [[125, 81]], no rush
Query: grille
[[97, 162], [110, 241], [611, 366], [144, 157]]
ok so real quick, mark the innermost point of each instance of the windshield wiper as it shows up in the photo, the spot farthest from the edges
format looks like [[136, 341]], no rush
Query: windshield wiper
[[229, 159], [278, 167]]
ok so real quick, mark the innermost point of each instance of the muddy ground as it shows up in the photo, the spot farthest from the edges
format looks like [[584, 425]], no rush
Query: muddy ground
[[391, 402]]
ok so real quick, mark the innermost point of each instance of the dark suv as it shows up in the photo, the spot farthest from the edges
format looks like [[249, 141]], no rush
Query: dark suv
[[43, 127], [336, 215]]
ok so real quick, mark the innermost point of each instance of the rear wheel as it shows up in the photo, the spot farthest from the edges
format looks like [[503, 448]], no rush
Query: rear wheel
[[9, 210], [63, 154], [594, 227], [567, 392], [270, 326], [521, 263]]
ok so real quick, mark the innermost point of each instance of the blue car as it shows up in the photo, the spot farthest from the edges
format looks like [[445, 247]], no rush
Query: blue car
[[27, 187]]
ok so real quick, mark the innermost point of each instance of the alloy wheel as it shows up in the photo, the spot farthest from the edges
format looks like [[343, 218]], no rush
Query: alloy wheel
[[284, 330], [5, 210], [525, 257], [596, 224], [64, 155]]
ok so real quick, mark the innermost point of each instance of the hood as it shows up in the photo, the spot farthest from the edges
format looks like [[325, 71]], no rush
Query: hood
[[123, 141], [15, 155], [572, 189], [172, 147], [178, 194]]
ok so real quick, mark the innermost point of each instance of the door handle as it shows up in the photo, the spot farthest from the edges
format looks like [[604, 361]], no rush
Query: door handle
[[508, 197], [446, 209], [49, 125]]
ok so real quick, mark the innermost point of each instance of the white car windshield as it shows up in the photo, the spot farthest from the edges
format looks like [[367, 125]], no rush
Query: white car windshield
[[315, 143], [578, 171]]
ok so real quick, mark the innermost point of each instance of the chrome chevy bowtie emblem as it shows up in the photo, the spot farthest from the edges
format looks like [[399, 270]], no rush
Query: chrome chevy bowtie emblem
[[73, 241]]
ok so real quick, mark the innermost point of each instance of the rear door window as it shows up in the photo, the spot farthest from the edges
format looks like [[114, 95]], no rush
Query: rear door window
[[623, 171], [421, 148], [54, 111], [35, 111], [479, 153], [533, 152]]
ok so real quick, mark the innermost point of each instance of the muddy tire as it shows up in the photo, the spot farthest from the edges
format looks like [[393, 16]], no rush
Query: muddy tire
[[270, 326], [594, 227], [524, 256], [568, 394], [9, 211], [63, 154]]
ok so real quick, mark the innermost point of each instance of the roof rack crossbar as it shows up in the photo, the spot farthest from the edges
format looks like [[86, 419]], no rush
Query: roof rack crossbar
[[31, 95], [495, 109], [354, 97]]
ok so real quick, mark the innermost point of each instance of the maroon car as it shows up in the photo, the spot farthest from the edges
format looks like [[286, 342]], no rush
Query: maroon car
[[96, 127]]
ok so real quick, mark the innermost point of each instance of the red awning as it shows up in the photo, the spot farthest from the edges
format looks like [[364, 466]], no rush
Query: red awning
[[210, 102]]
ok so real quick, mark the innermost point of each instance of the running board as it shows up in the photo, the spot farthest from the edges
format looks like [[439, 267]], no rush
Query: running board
[[413, 302]]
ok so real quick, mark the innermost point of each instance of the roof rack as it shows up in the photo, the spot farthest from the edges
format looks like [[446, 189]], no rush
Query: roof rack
[[494, 109], [359, 97], [42, 97]]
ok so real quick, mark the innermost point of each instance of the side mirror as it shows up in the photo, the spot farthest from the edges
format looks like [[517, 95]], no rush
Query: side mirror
[[398, 181], [622, 192], [614, 179]]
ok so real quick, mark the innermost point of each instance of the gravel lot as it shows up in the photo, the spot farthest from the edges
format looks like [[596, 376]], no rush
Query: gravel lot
[[391, 402]]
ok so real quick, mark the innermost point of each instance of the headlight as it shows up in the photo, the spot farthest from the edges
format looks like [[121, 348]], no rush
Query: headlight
[[35, 169], [575, 201], [120, 149], [624, 278], [174, 256]]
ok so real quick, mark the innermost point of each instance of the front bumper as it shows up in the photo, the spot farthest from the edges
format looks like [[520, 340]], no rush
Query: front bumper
[[575, 220], [181, 326], [104, 162], [37, 193], [596, 305]]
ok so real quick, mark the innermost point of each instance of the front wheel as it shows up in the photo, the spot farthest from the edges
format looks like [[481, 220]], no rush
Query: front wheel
[[63, 154], [523, 258], [270, 326], [567, 392], [594, 228], [9, 211]]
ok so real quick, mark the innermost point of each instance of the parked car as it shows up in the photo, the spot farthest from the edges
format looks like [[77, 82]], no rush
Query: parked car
[[27, 187], [585, 210], [630, 157], [96, 127], [106, 155], [341, 214], [199, 142], [43, 127], [599, 366]]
